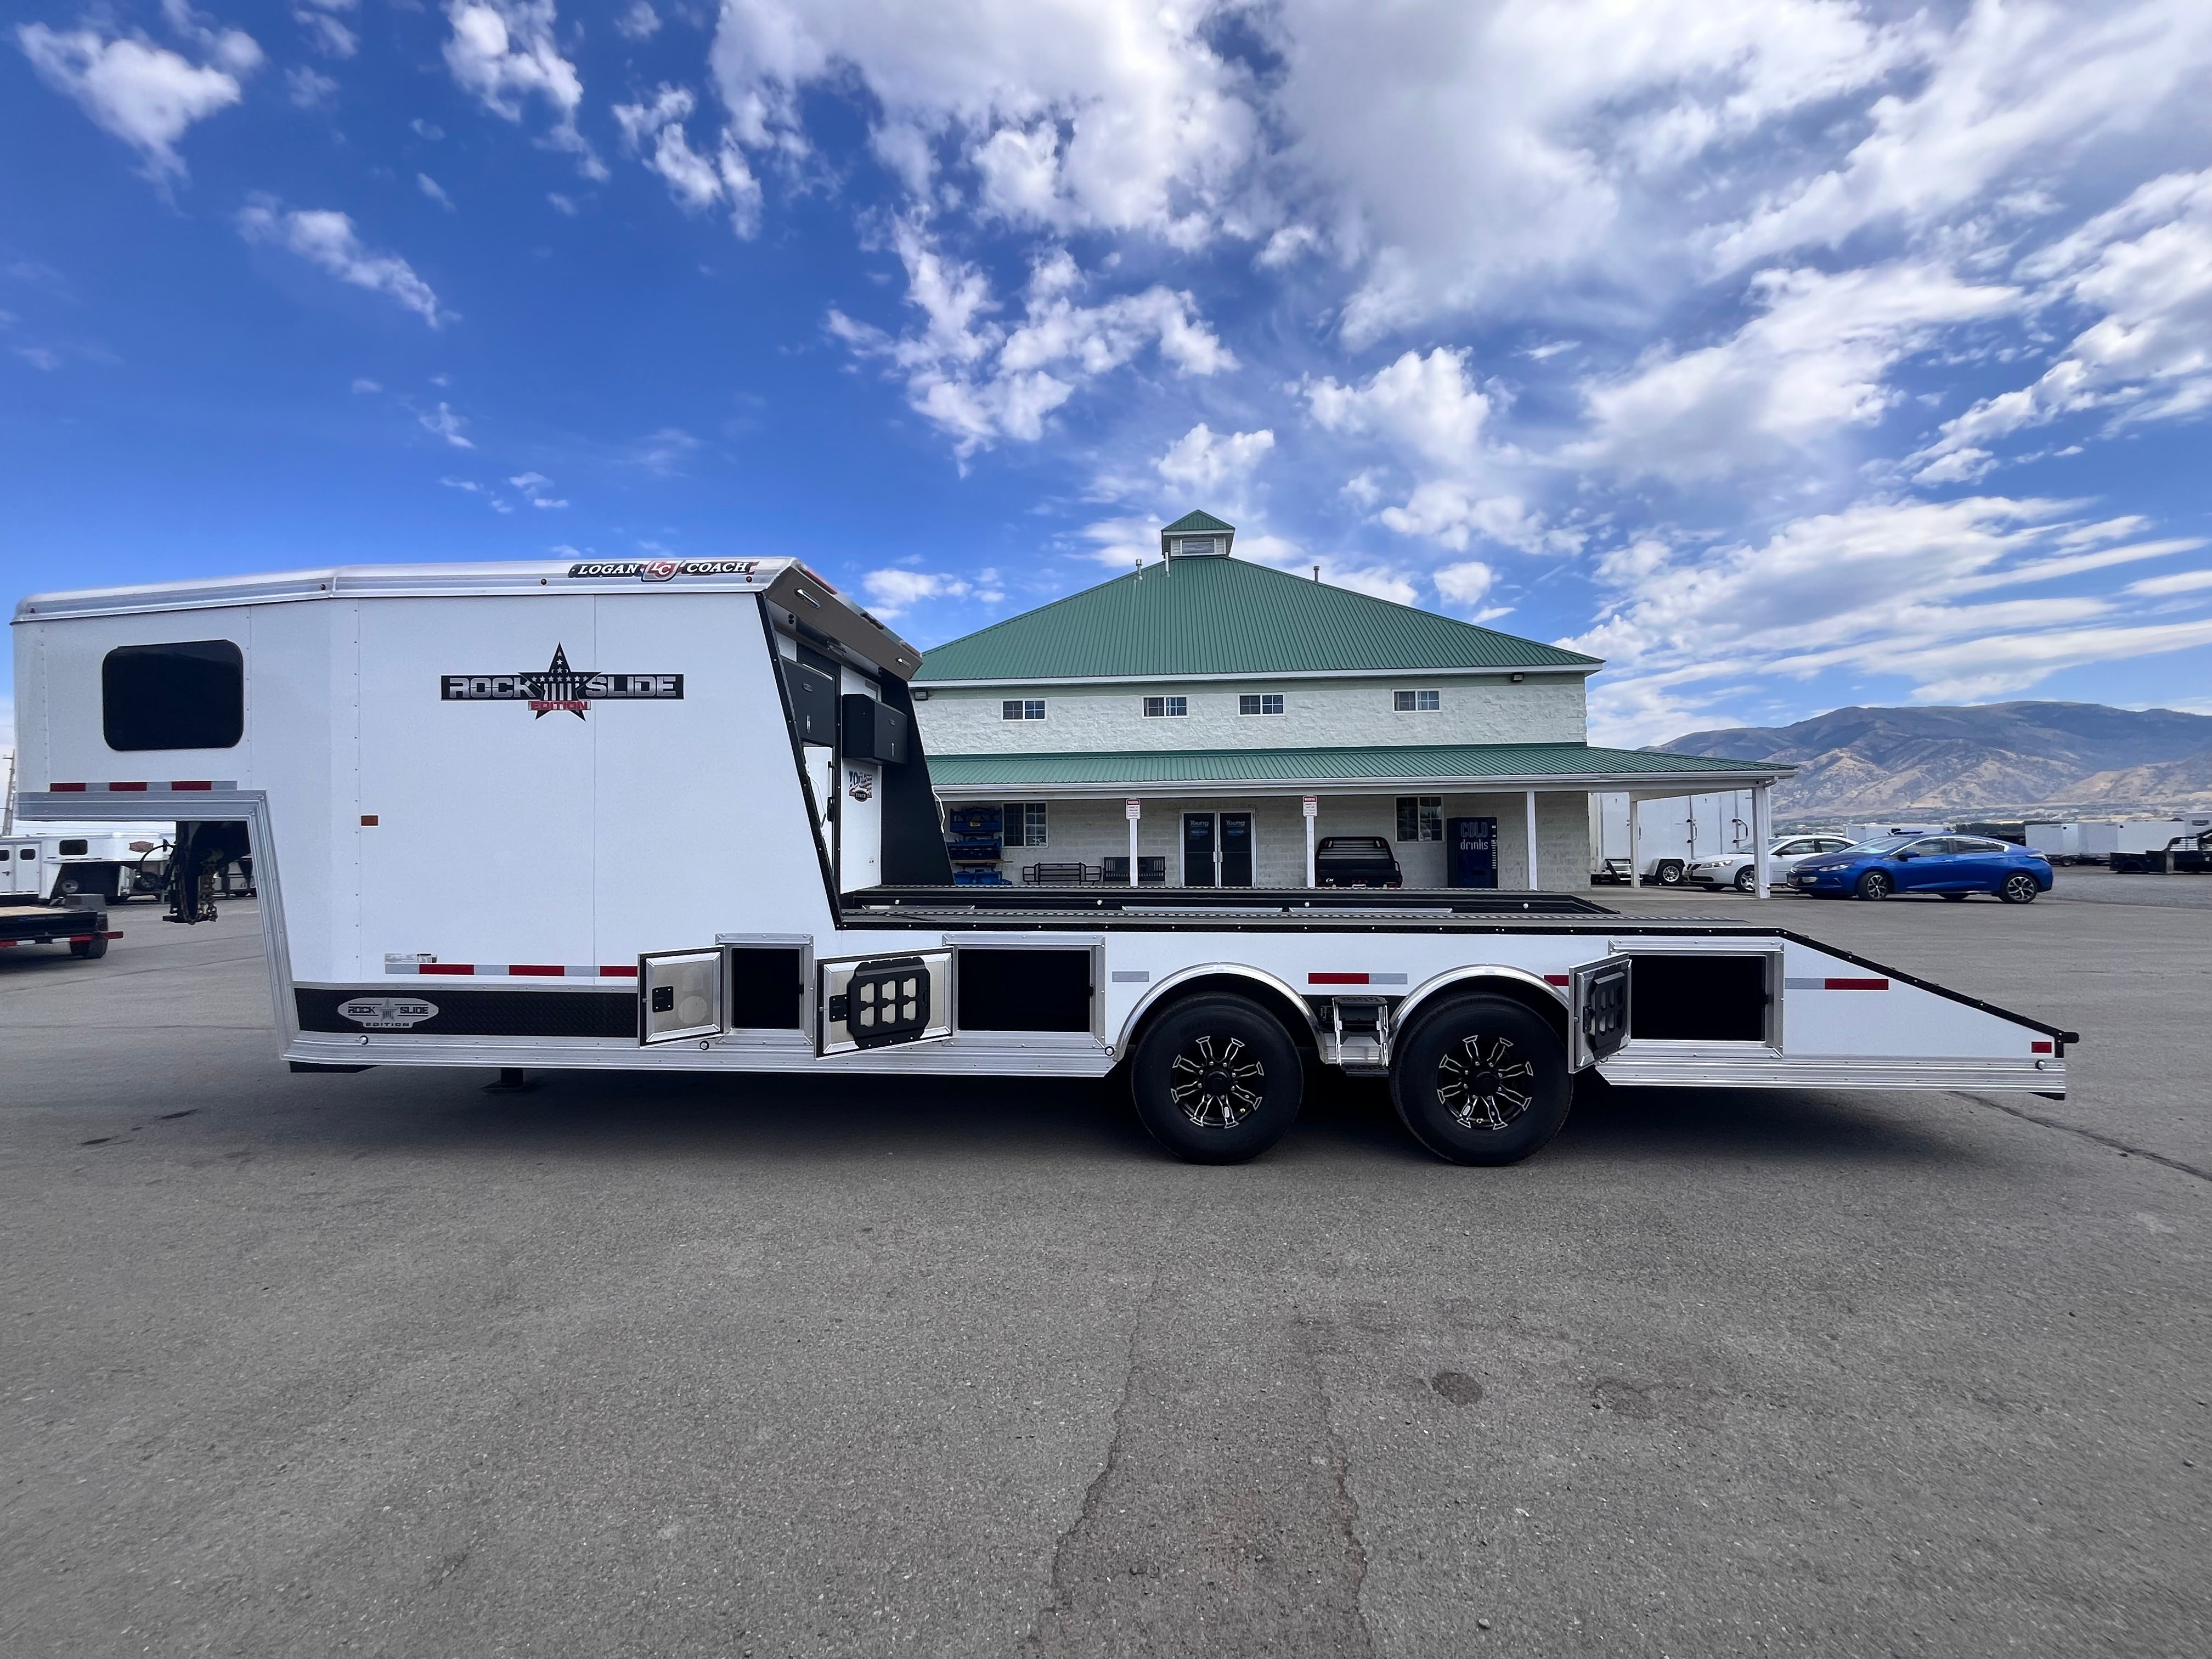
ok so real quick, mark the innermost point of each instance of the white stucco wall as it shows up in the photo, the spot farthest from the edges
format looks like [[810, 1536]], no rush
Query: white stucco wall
[[1317, 714], [1089, 831]]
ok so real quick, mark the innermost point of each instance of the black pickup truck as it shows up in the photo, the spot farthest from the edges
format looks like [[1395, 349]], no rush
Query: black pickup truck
[[1356, 861], [84, 930]]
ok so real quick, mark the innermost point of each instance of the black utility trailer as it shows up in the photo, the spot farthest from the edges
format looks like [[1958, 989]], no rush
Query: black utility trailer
[[84, 930]]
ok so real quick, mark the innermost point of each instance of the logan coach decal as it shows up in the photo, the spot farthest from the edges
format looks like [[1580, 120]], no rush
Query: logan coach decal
[[663, 570], [557, 687]]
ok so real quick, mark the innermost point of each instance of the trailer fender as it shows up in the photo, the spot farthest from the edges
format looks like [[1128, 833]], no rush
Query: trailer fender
[[1234, 977], [1522, 986]]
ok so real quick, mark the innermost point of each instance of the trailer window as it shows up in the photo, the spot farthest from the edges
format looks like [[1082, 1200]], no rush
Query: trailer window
[[188, 695], [75, 849]]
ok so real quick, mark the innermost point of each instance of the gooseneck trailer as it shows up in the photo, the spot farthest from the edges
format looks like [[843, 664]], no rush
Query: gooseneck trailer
[[599, 733]]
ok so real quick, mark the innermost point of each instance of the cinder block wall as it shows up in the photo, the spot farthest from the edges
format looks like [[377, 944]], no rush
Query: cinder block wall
[[1316, 714]]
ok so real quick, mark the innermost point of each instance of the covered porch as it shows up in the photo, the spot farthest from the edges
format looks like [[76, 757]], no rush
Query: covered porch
[[1258, 817]]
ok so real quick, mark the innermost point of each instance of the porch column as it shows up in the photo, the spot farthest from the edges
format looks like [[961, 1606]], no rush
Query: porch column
[[1762, 831], [1635, 840], [1136, 809], [1531, 796], [1311, 805]]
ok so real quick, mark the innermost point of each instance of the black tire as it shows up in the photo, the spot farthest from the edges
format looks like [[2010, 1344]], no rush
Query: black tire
[[95, 946], [1191, 1079], [1454, 1048], [1875, 885], [1952, 898], [2019, 888], [1670, 872], [1746, 880]]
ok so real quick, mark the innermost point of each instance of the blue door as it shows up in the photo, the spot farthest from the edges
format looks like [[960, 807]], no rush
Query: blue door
[[1471, 844], [1926, 866]]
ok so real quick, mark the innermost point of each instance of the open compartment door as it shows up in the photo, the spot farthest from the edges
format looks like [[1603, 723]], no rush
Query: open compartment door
[[680, 995], [1597, 1012]]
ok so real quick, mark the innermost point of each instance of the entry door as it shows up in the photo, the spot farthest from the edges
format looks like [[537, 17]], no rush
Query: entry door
[[1236, 849], [1198, 849], [18, 874]]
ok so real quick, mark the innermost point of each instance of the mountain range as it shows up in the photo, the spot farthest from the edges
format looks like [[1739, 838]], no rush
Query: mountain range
[[2001, 759]]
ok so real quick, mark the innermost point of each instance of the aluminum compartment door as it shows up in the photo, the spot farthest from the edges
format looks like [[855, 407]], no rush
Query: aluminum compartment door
[[680, 995], [1597, 1010]]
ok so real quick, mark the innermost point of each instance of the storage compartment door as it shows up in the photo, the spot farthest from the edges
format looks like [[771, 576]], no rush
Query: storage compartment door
[[1597, 1010], [679, 995]]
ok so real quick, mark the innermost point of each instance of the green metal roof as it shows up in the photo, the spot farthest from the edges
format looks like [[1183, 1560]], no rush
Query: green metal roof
[[1477, 761], [1225, 616], [1195, 521]]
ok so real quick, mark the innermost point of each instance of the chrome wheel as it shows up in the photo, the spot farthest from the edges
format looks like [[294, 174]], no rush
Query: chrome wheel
[[1217, 1082], [2020, 888], [1484, 1083]]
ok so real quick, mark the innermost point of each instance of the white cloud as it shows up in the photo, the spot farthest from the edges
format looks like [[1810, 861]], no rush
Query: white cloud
[[364, 384], [891, 592], [309, 88], [537, 489], [503, 52], [665, 451], [1815, 359], [1198, 462], [2187, 582], [655, 130], [1074, 116], [145, 95], [330, 37], [1954, 595], [448, 425], [327, 239], [982, 380], [1465, 584], [2008, 84], [640, 22], [431, 188], [469, 487], [2147, 266]]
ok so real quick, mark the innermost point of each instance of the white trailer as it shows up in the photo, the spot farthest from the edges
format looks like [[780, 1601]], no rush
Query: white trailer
[[43, 866], [599, 729], [1658, 838]]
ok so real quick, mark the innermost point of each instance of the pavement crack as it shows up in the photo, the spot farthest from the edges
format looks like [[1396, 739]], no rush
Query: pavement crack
[[2114, 1141], [1347, 1516], [1061, 1601]]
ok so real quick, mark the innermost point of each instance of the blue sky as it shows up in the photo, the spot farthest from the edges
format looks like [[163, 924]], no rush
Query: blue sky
[[1786, 353]]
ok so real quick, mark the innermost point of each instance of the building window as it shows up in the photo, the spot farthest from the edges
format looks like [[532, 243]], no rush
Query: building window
[[1268, 703], [1413, 702], [1025, 824], [1420, 817], [1019, 708], [1166, 708]]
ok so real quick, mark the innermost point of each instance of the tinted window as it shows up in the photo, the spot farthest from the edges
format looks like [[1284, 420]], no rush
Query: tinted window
[[1792, 849], [191, 694], [75, 849]]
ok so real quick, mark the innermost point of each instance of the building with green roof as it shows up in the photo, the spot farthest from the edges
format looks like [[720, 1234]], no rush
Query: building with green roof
[[1215, 719]]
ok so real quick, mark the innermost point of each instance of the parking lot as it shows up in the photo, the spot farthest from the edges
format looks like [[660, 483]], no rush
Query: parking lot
[[386, 1364]]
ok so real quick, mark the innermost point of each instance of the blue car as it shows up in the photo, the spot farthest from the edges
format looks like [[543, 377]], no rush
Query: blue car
[[1952, 865]]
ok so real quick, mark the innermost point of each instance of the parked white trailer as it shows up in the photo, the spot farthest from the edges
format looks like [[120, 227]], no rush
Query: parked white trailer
[[599, 732], [1660, 837], [38, 867]]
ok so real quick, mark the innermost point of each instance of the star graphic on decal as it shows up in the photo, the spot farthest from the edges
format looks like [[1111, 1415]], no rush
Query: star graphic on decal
[[557, 686]]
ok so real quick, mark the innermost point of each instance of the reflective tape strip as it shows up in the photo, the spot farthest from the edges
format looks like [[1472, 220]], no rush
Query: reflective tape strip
[[509, 970], [1336, 979], [2039, 1047], [195, 785], [1836, 984], [1557, 979]]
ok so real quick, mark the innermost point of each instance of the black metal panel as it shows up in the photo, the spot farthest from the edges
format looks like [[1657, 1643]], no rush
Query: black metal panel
[[768, 989], [873, 731], [475, 1012], [1699, 999], [813, 702], [914, 836], [1018, 990]]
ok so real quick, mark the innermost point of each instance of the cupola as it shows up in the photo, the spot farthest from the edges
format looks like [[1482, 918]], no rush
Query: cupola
[[1197, 535]]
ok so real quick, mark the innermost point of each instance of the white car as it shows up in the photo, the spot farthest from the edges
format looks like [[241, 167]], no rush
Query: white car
[[1734, 869]]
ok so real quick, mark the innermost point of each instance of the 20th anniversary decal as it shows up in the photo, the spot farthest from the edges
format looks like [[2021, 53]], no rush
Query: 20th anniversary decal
[[559, 688]]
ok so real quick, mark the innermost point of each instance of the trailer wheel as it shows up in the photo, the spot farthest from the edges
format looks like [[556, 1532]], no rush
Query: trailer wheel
[[1746, 879], [1217, 1079], [2019, 888], [1875, 885], [95, 946], [1481, 1081], [1670, 872]]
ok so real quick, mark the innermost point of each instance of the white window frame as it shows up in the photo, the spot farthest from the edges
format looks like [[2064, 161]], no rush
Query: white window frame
[[1428, 816], [1036, 826], [1257, 703], [1022, 708], [1172, 709], [1416, 702]]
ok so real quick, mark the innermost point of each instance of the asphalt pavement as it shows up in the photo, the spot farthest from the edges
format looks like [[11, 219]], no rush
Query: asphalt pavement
[[386, 1364]]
